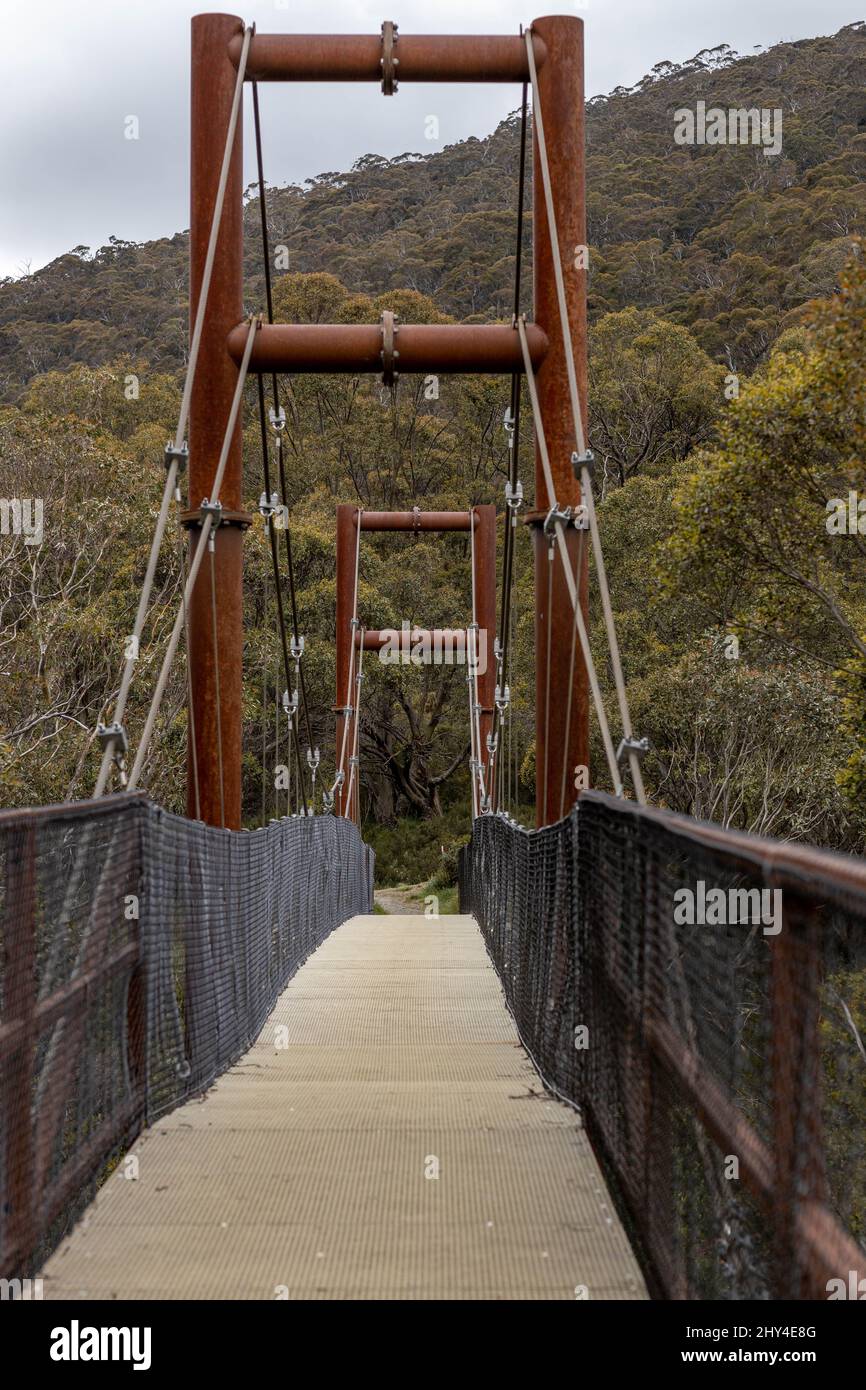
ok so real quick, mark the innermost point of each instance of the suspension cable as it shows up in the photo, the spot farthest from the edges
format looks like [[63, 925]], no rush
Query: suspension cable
[[349, 709], [356, 727], [484, 802], [204, 535], [275, 565], [214, 627], [573, 593], [278, 416], [176, 453]]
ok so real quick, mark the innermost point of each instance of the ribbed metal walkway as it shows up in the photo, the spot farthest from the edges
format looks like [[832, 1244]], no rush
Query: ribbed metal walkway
[[309, 1170]]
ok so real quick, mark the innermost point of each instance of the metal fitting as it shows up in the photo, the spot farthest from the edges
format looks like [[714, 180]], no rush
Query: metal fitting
[[277, 419], [179, 455], [113, 736], [267, 507], [388, 62], [389, 353], [553, 516], [631, 745], [581, 461]]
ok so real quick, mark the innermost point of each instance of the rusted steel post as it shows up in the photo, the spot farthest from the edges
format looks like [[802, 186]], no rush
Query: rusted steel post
[[561, 95], [485, 605], [347, 534], [213, 81]]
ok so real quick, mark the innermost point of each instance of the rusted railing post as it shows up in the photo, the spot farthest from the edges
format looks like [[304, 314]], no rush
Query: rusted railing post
[[20, 991]]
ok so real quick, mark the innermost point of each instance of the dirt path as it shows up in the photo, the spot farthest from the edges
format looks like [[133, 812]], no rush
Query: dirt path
[[401, 901]]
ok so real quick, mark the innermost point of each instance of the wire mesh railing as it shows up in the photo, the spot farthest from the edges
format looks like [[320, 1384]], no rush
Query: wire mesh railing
[[700, 995], [140, 956]]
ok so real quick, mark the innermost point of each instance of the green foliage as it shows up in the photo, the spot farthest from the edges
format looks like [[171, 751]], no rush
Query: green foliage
[[654, 393], [752, 539], [421, 851]]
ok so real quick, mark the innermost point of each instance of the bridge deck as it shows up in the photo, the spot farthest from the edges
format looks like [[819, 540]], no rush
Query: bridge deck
[[303, 1172]]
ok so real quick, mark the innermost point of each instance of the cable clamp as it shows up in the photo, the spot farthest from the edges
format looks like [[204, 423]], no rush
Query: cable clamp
[[267, 506], [346, 711], [581, 461], [277, 419], [514, 495], [388, 62], [290, 706], [353, 760], [313, 761], [327, 802], [502, 698], [180, 455], [492, 742], [296, 648], [508, 426], [556, 514], [354, 623], [212, 509], [631, 745], [113, 736], [389, 353], [339, 779]]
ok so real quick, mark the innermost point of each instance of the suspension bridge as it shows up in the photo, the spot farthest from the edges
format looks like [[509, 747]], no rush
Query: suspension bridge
[[222, 1075]]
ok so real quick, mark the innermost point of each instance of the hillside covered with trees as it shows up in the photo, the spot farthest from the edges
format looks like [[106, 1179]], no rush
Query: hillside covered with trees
[[728, 313]]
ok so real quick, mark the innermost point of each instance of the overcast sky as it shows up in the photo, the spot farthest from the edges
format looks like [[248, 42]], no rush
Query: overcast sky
[[71, 71]]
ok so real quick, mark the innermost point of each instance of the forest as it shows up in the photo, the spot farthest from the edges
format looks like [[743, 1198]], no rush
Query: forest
[[727, 299]]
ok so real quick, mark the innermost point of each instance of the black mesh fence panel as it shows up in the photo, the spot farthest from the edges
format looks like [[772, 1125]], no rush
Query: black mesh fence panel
[[700, 995], [140, 955]]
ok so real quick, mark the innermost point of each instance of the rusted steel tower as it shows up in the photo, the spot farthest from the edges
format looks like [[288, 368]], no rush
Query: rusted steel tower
[[482, 520], [388, 58]]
